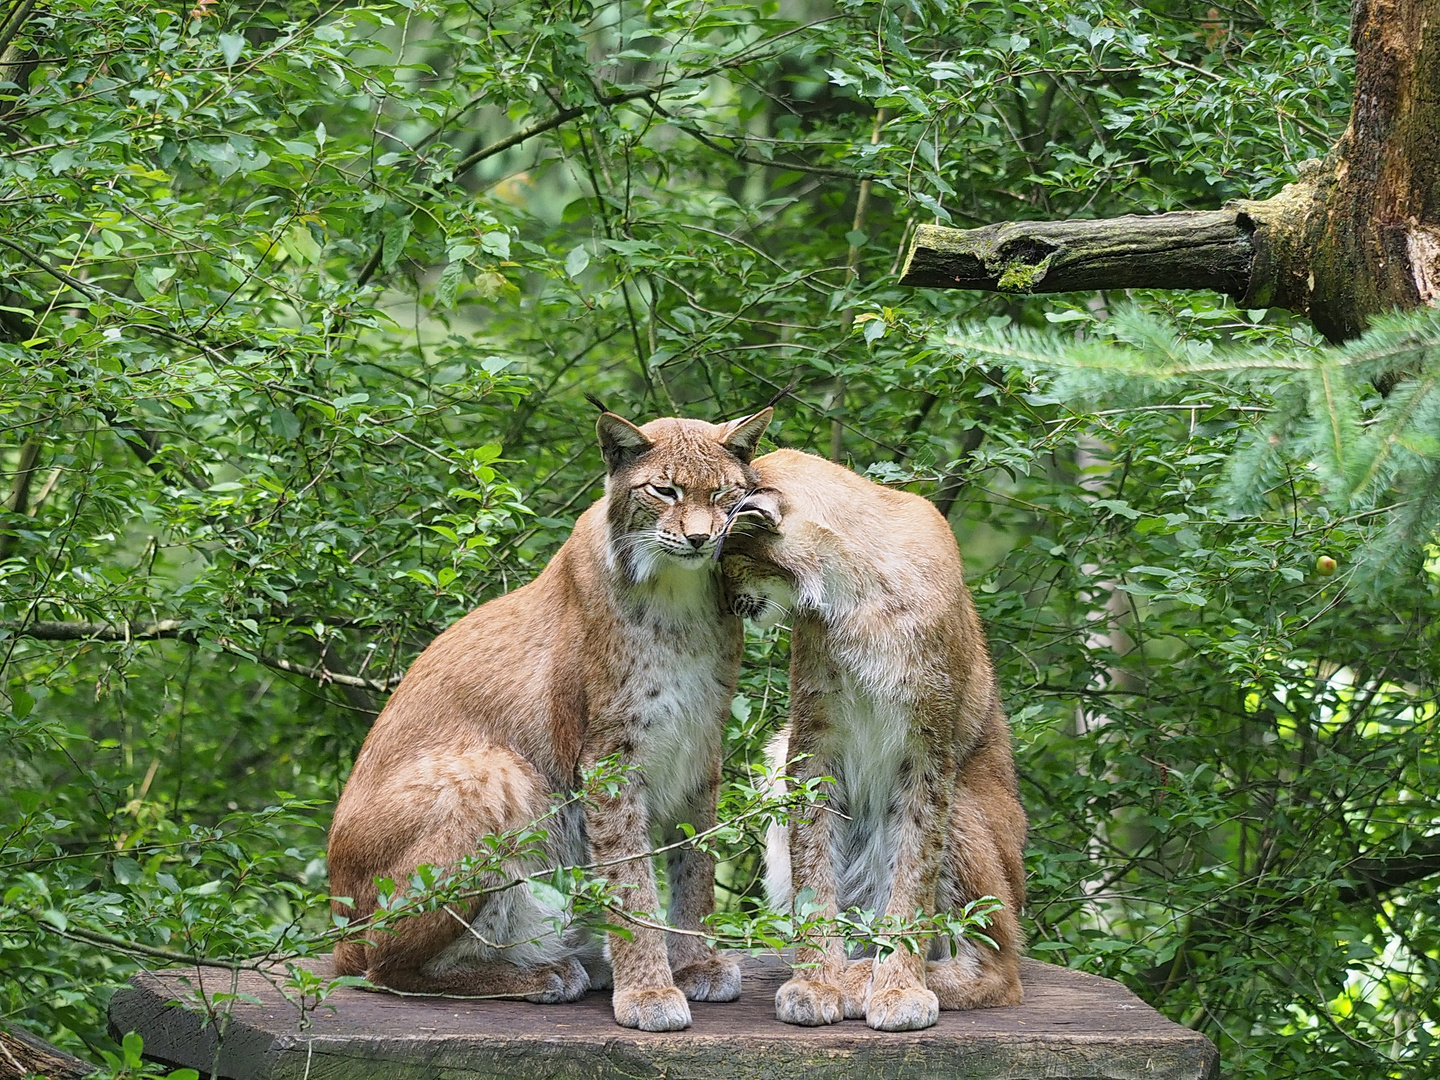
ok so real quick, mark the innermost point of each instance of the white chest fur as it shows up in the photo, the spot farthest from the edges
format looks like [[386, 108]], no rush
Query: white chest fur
[[868, 745], [679, 692]]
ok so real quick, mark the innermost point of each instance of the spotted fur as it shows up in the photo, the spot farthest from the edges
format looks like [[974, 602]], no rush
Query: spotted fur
[[620, 648]]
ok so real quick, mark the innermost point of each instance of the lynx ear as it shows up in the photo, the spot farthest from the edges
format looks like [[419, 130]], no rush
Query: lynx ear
[[621, 442], [741, 437]]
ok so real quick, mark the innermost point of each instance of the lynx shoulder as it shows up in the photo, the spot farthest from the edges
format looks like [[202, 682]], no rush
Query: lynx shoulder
[[619, 648], [893, 695]]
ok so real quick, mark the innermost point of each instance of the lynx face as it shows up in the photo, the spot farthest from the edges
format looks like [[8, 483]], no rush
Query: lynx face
[[672, 484]]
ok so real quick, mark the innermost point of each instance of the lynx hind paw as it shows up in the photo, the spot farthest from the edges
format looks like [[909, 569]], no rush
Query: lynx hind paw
[[660, 1009], [565, 981], [902, 1008], [855, 987], [713, 979], [809, 1003]]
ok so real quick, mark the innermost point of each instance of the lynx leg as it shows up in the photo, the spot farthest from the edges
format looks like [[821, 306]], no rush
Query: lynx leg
[[701, 973], [442, 806], [645, 995], [985, 858], [899, 999], [813, 995]]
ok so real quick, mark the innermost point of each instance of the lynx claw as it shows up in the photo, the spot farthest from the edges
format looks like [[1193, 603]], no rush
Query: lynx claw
[[566, 981], [713, 979], [902, 1008], [661, 1009], [809, 1003]]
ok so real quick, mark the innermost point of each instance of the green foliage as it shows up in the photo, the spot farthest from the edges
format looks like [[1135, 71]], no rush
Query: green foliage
[[1359, 420], [299, 308]]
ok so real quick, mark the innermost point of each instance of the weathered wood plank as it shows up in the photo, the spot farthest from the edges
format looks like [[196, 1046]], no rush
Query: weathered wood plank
[[1072, 1025]]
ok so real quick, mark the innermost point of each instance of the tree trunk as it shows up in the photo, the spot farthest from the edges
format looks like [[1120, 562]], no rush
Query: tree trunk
[[1356, 235], [23, 1055]]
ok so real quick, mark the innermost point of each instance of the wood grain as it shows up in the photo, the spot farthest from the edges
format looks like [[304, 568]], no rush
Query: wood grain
[[1071, 1026]]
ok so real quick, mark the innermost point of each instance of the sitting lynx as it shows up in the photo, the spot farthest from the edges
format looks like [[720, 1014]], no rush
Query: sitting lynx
[[617, 648], [893, 695]]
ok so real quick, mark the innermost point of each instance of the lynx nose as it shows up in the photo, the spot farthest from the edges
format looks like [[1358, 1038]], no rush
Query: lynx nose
[[697, 540]]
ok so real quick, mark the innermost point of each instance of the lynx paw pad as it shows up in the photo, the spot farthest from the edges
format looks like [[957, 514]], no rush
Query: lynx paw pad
[[907, 1008], [713, 979], [809, 1003], [660, 1009]]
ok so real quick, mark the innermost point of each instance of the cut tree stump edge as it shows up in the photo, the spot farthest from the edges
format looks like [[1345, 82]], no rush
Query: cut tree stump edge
[[1072, 1026]]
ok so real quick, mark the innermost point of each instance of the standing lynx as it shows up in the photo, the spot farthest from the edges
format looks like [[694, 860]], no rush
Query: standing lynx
[[893, 695], [618, 648]]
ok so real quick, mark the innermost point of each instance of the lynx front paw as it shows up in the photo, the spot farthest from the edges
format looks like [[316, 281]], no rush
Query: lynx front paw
[[712, 979], [661, 1009], [902, 1008], [809, 1003], [565, 981]]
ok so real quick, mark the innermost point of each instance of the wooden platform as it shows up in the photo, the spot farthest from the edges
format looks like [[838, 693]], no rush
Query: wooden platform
[[1072, 1026]]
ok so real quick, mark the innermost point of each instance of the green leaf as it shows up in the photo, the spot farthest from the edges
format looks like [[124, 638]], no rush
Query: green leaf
[[450, 280], [231, 46], [284, 423], [395, 238], [498, 244]]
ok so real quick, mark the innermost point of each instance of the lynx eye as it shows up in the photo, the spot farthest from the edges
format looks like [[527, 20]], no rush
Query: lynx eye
[[664, 491], [721, 493]]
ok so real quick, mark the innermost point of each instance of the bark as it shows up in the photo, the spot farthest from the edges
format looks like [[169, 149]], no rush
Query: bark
[[1209, 249], [23, 1055], [1356, 235], [1375, 231]]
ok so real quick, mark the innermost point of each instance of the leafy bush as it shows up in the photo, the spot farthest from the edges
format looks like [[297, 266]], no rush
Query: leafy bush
[[300, 305]]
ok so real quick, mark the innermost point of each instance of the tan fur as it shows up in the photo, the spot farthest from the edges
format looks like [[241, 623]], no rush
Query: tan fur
[[617, 648], [893, 694]]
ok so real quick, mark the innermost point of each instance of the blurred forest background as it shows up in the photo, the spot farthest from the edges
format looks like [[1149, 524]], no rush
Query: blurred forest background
[[298, 305]]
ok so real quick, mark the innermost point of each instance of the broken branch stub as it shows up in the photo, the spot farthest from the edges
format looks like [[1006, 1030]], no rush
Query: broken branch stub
[[1206, 249], [1356, 235]]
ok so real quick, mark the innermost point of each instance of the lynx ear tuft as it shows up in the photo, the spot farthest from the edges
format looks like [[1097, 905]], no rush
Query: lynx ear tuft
[[621, 442], [741, 437]]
